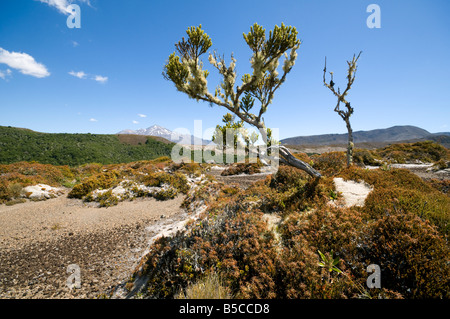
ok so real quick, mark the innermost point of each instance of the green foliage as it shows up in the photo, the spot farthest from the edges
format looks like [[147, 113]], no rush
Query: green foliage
[[14, 189], [197, 44], [329, 263], [98, 181], [185, 70], [107, 199], [365, 157], [74, 149], [232, 128]]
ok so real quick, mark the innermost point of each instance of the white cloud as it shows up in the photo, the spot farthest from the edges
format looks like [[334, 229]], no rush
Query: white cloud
[[93, 120], [75, 44], [62, 5], [142, 115], [4, 74], [23, 62], [135, 122], [101, 79], [80, 74]]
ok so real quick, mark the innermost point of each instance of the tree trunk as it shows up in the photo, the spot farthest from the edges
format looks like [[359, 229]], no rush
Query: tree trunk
[[293, 161], [287, 158], [350, 144]]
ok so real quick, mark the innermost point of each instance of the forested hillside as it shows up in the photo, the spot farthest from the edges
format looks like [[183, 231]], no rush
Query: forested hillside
[[74, 149]]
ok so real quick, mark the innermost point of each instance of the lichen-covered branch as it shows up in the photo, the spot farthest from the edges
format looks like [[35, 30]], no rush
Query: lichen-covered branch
[[185, 69]]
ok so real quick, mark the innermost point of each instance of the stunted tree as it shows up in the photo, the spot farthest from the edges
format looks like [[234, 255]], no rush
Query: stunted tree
[[341, 98], [237, 132], [185, 69]]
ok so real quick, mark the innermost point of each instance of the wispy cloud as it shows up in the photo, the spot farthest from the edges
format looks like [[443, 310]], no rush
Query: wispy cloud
[[61, 5], [142, 115], [5, 74], [101, 79], [93, 120], [83, 75], [135, 122], [75, 44], [79, 74], [24, 63]]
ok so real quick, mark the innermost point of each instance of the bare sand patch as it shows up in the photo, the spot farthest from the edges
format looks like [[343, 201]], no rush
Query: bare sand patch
[[354, 193], [38, 240]]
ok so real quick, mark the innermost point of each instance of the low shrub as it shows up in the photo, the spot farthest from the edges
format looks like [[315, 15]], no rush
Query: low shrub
[[394, 177], [177, 180], [13, 177], [107, 199], [14, 190], [426, 151], [242, 168], [441, 164], [191, 169], [331, 163], [99, 181], [441, 185], [303, 157], [235, 243], [399, 188], [289, 190], [366, 157], [412, 255], [432, 206], [166, 193]]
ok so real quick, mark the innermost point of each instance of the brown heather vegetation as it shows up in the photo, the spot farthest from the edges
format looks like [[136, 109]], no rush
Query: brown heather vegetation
[[409, 152], [243, 168], [13, 177], [402, 227], [232, 239]]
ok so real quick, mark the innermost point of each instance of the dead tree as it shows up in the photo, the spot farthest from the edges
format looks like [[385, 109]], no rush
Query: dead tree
[[341, 97]]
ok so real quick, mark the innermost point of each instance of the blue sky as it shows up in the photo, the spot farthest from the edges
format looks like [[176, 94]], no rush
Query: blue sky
[[106, 75]]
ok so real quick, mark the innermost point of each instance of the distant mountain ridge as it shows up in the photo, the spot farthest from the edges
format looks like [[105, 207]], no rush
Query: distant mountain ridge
[[391, 134], [160, 131]]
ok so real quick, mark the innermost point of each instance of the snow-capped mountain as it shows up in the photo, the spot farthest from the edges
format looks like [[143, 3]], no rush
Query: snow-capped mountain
[[160, 131]]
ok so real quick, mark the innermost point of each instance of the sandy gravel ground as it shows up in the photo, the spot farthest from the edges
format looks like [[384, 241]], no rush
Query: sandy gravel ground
[[354, 193], [39, 240]]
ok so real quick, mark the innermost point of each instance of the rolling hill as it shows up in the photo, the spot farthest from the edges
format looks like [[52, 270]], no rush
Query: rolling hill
[[18, 144], [395, 134]]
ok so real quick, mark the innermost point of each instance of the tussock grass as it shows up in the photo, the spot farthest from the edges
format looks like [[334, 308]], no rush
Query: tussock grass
[[210, 286]]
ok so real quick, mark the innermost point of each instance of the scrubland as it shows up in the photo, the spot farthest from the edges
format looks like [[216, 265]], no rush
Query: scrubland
[[284, 236]]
